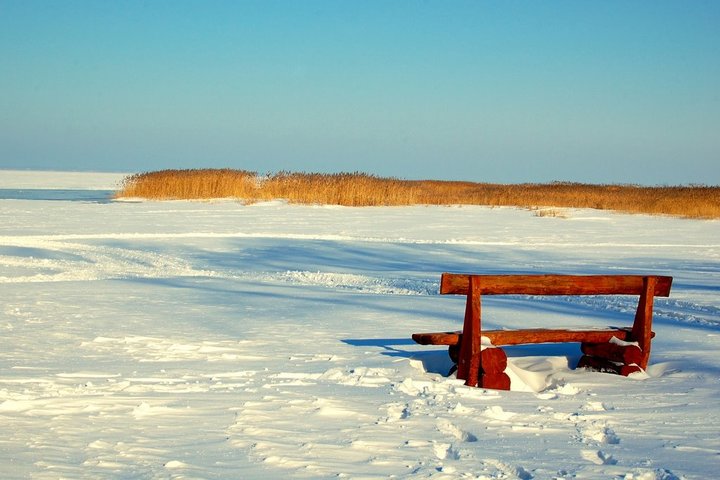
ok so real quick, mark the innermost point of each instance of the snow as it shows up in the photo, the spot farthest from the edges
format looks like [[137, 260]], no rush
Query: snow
[[44, 180], [217, 340]]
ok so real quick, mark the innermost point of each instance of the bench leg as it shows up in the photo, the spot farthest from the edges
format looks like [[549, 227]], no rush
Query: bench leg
[[493, 361], [499, 381], [477, 366], [642, 327], [469, 358]]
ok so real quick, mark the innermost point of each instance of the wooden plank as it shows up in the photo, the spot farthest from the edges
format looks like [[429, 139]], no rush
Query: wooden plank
[[437, 338], [457, 284], [532, 335], [469, 359], [546, 335], [642, 327]]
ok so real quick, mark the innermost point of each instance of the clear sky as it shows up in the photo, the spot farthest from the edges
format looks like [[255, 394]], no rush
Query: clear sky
[[606, 91]]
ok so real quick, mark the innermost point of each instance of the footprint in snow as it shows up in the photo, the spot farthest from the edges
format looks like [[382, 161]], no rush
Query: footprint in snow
[[497, 413], [598, 433], [505, 470], [396, 411], [591, 406], [448, 428], [598, 457]]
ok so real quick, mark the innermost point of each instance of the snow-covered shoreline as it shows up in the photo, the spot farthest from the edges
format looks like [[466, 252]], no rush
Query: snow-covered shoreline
[[217, 340], [32, 179]]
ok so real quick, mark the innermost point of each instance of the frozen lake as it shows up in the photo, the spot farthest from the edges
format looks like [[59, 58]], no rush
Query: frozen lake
[[216, 340]]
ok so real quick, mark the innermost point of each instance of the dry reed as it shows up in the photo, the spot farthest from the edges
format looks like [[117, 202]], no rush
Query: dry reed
[[360, 189]]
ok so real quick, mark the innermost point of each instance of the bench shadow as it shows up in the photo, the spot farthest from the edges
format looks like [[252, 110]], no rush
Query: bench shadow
[[378, 342], [436, 360]]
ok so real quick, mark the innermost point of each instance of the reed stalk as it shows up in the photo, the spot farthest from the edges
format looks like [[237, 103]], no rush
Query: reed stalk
[[360, 190]]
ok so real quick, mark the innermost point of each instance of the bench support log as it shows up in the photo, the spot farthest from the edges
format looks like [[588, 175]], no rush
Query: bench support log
[[498, 381], [493, 362], [603, 365], [469, 357], [642, 327], [627, 354], [529, 335]]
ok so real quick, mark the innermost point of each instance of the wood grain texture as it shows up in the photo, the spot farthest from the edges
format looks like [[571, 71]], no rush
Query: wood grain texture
[[627, 354], [457, 284], [530, 335], [602, 365], [469, 357], [642, 327], [493, 360], [496, 381]]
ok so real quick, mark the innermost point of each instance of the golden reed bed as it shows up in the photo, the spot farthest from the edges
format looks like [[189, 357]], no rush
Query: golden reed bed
[[360, 190]]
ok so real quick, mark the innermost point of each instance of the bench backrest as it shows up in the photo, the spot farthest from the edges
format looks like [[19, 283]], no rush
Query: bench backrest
[[457, 284]]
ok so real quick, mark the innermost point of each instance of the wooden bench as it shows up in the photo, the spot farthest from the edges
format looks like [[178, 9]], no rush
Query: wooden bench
[[617, 350]]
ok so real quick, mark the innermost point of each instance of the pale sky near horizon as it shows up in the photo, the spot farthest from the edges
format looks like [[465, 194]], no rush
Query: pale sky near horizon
[[498, 91]]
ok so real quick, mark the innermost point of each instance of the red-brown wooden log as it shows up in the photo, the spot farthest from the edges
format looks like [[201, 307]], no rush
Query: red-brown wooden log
[[603, 365], [493, 360], [528, 335], [642, 327], [437, 338], [627, 354], [469, 359], [454, 283], [496, 381], [548, 335]]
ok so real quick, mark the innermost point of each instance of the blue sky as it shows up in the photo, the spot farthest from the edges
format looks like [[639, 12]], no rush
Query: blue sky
[[499, 91]]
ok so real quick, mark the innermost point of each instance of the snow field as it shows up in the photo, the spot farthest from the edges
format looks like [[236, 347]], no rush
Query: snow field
[[215, 340]]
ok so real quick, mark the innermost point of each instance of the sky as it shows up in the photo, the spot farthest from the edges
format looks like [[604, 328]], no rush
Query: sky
[[489, 91]]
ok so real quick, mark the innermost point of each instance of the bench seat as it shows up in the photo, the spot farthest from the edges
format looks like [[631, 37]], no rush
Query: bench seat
[[531, 335]]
